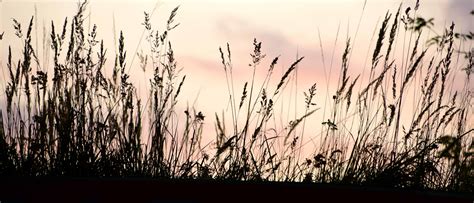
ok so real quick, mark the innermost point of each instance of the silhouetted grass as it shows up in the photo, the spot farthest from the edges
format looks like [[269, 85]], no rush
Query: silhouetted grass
[[77, 121]]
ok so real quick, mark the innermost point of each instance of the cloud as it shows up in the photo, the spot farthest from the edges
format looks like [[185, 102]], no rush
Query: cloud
[[459, 12], [274, 43]]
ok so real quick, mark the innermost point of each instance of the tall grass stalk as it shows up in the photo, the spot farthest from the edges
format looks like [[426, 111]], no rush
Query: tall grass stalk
[[73, 119]]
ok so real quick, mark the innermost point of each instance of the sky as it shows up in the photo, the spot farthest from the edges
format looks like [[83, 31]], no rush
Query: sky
[[316, 29]]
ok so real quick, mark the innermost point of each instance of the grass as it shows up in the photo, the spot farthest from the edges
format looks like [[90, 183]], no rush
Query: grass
[[75, 120]]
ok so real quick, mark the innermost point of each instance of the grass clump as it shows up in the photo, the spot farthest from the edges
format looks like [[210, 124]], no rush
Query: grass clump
[[74, 120]]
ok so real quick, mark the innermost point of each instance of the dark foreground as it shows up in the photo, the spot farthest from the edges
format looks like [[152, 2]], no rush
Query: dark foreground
[[187, 191]]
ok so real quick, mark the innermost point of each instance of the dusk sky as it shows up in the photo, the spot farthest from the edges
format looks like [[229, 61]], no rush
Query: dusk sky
[[287, 28]]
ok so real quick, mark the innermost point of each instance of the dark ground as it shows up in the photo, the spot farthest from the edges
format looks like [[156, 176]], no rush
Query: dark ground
[[190, 191]]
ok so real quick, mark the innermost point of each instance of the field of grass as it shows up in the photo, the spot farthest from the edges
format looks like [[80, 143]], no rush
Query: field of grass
[[74, 120]]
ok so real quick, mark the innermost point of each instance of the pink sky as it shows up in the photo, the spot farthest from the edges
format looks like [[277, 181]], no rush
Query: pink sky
[[284, 26]]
